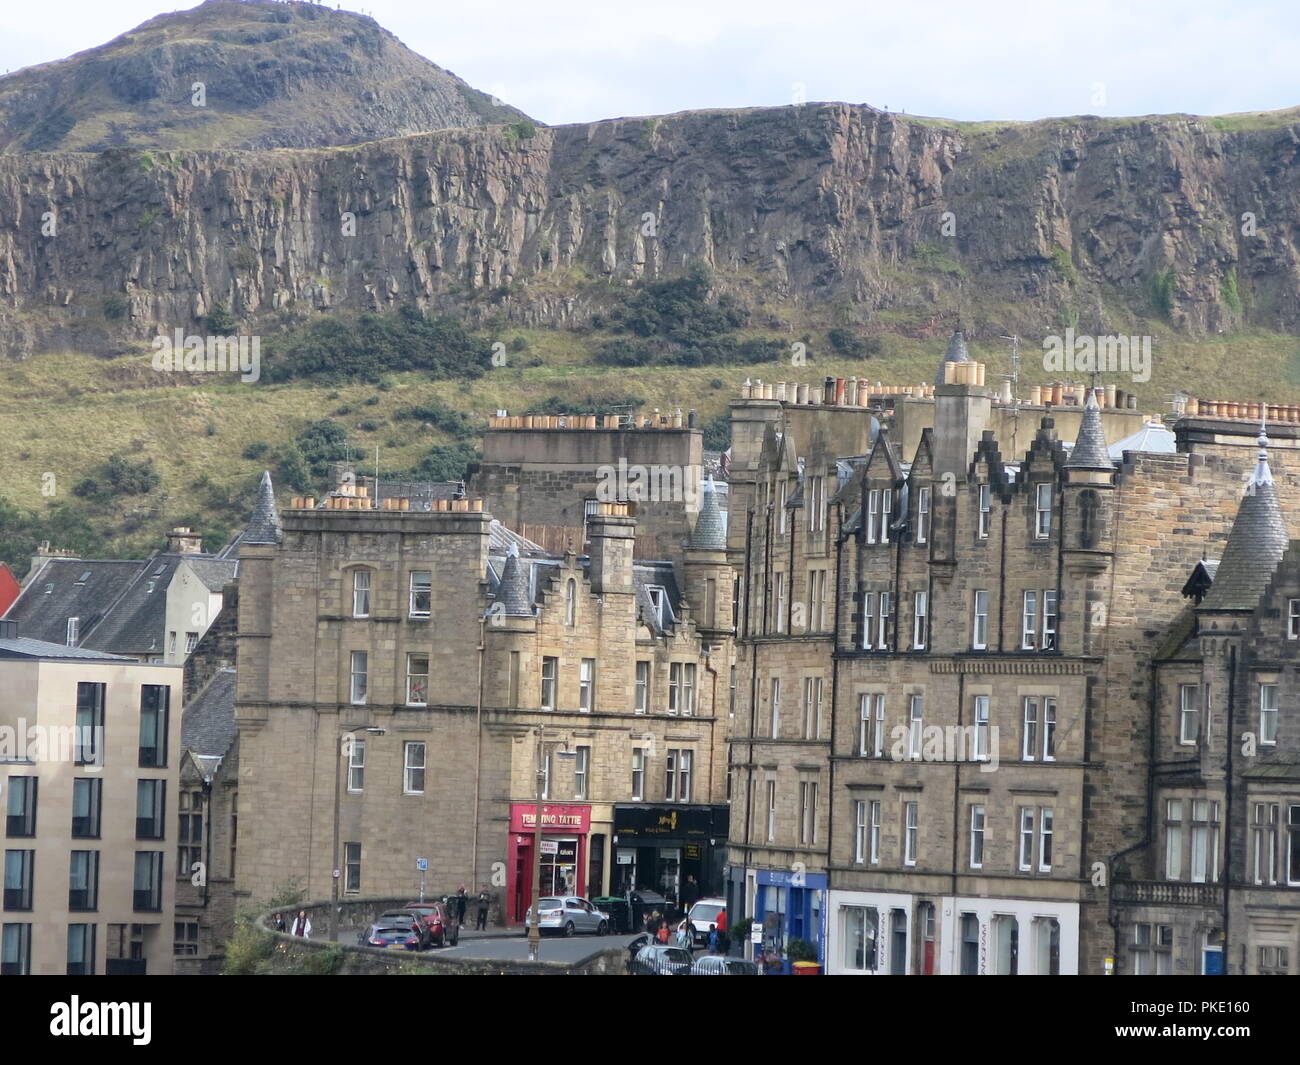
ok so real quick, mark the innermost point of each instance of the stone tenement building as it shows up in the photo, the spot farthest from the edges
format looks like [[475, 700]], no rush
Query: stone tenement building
[[395, 666], [958, 678]]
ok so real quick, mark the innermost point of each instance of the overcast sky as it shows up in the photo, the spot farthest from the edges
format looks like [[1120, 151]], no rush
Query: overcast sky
[[581, 60]]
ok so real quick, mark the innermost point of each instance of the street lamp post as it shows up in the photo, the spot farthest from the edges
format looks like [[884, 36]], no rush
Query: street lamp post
[[535, 925], [344, 748]]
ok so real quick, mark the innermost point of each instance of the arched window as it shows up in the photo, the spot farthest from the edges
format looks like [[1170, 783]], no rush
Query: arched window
[[1087, 518], [571, 602]]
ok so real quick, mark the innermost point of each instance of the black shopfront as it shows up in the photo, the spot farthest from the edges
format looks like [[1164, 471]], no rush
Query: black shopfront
[[656, 848]]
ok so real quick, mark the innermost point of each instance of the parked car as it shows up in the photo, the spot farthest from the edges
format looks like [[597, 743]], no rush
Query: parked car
[[705, 913], [381, 934], [407, 919], [659, 960], [569, 915], [443, 930], [720, 965]]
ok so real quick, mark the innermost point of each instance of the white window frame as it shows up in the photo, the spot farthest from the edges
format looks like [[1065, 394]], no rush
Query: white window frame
[[886, 510], [414, 591], [771, 810], [570, 603], [1045, 822], [911, 831], [361, 593], [638, 774], [915, 725], [1188, 714], [882, 627], [1025, 847], [412, 765], [977, 828], [812, 708], [776, 708], [586, 685], [1293, 619], [779, 578], [808, 799], [859, 832], [581, 772], [920, 604], [1029, 728], [642, 691], [981, 717], [1043, 514], [357, 766], [873, 509], [868, 620], [985, 511], [922, 514], [1048, 640], [73, 632], [1268, 715], [979, 636], [782, 488], [1049, 728], [410, 676], [359, 697], [1173, 839], [873, 839], [550, 684], [1029, 620]]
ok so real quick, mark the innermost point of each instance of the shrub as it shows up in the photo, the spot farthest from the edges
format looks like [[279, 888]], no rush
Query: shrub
[[1162, 292], [115, 307], [220, 321], [256, 450], [440, 416]]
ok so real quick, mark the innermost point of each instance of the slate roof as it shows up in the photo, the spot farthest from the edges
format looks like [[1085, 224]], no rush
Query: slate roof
[[23, 647], [1255, 545], [956, 353], [55, 593], [709, 533], [264, 526], [208, 724], [1089, 452], [515, 589], [215, 573]]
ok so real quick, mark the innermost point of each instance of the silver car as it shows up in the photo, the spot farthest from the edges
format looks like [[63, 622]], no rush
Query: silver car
[[718, 965], [568, 915]]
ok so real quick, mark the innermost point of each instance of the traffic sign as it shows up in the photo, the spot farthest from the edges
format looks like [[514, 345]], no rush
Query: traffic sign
[[422, 864]]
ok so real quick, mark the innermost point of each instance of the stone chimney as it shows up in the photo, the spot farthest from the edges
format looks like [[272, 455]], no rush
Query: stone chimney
[[612, 531], [183, 541], [961, 414]]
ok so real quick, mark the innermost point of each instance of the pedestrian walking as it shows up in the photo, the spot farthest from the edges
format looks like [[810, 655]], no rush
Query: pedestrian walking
[[480, 919], [684, 938], [462, 901], [724, 940], [662, 932], [278, 923], [690, 893], [302, 925], [713, 939]]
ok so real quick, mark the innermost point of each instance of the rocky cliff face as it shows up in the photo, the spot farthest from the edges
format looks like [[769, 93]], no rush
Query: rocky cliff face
[[238, 74], [1092, 222]]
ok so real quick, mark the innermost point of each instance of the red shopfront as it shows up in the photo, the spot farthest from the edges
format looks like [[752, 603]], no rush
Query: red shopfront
[[564, 853]]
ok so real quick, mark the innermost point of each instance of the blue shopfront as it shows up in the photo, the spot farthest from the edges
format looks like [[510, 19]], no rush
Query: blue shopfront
[[790, 906]]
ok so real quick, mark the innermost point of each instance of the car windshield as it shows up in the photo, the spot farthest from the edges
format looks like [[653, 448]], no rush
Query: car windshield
[[392, 932], [677, 954], [394, 918], [742, 968], [706, 912]]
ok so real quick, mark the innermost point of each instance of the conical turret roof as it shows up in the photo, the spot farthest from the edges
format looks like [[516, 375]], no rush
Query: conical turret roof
[[264, 526], [1255, 546], [515, 594], [1090, 448], [709, 534]]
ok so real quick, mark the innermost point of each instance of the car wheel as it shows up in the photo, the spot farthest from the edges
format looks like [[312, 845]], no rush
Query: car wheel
[[569, 929], [602, 929]]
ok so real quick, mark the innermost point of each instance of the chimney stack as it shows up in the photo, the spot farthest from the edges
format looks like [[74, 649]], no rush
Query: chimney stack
[[612, 532], [182, 541]]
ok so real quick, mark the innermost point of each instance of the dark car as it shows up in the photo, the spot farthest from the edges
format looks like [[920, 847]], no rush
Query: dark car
[[381, 934], [720, 965], [407, 919], [442, 928], [660, 960]]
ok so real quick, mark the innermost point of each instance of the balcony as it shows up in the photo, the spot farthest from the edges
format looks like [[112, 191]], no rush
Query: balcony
[[1166, 893]]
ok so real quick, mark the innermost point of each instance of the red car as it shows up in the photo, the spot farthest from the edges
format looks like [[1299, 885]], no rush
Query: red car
[[442, 927]]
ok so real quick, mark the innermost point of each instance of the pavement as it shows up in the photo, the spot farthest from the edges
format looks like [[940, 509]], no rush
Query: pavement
[[511, 944]]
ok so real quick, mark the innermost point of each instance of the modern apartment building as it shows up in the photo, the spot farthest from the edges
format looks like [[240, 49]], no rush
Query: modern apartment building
[[88, 770]]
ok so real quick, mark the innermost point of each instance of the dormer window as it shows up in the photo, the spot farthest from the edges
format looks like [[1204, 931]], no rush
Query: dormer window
[[84, 577], [73, 631], [985, 511], [659, 600], [570, 602], [781, 489]]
